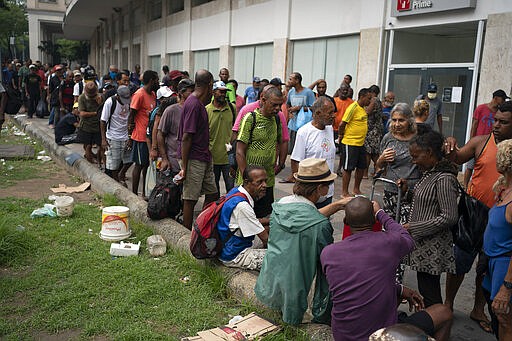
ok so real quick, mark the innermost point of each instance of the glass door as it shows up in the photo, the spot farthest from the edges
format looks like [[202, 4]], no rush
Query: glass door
[[453, 88]]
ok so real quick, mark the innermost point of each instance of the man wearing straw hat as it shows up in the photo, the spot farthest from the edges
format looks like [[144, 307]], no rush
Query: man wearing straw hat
[[302, 230]]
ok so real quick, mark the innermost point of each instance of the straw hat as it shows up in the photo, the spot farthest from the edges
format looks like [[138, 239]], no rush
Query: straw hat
[[314, 170]]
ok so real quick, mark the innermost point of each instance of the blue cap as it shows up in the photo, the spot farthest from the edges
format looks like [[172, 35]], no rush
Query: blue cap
[[256, 80]]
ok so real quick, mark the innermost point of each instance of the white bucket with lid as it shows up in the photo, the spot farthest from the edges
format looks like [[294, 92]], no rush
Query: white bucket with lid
[[64, 205], [115, 223]]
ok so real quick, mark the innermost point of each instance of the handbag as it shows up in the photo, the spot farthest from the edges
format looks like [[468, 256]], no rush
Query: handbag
[[468, 232]]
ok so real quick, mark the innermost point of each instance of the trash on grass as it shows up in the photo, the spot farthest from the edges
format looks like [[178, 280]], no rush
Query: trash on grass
[[249, 327], [124, 249], [44, 158], [64, 204], [42, 152], [45, 211], [19, 133], [235, 319], [75, 189], [20, 228], [185, 279], [156, 245]]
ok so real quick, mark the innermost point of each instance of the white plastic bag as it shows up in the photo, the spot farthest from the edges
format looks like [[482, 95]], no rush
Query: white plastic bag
[[150, 178]]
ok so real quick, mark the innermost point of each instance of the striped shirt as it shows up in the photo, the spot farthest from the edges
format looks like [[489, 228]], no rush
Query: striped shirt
[[433, 213]]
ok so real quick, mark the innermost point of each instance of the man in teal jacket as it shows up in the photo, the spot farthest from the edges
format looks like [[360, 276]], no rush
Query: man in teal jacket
[[298, 233]]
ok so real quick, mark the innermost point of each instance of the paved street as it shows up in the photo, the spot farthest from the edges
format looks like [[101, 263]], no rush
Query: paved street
[[464, 328]]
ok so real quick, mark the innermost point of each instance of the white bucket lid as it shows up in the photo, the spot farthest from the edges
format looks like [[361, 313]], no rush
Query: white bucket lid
[[116, 209]]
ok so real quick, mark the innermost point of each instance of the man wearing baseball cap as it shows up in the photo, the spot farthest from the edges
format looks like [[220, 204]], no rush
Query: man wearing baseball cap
[[221, 115], [53, 94], [114, 131], [167, 134], [435, 112], [252, 93]]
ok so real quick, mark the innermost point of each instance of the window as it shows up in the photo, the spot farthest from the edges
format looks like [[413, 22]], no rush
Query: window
[[115, 58], [124, 58], [208, 59], [126, 22], [50, 1], [135, 54], [199, 2], [154, 63], [329, 58], [175, 61], [251, 61], [175, 6], [155, 9]]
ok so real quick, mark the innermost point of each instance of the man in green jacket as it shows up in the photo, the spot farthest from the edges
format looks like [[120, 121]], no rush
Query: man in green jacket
[[298, 233]]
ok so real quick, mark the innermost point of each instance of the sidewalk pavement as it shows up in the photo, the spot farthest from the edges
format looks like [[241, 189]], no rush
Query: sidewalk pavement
[[240, 282]]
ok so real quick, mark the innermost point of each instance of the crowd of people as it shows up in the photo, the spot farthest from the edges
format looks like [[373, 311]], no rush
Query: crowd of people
[[200, 130]]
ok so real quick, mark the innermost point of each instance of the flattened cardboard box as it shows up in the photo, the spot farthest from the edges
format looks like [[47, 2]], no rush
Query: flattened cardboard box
[[248, 328]]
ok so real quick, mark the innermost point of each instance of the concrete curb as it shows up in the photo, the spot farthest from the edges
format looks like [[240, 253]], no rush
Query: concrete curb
[[241, 283]]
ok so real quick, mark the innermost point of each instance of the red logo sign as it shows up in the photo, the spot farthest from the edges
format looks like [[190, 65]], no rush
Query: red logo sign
[[403, 5]]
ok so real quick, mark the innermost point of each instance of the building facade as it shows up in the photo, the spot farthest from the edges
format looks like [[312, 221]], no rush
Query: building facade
[[401, 45], [45, 19]]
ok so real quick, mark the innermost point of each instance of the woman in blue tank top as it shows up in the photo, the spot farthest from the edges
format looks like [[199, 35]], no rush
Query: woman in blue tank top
[[498, 245]]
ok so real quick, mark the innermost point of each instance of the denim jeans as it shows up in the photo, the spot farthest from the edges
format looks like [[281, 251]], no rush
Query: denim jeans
[[228, 180]]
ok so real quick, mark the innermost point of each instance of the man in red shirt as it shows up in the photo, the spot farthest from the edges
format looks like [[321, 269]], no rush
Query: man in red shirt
[[483, 119], [143, 102]]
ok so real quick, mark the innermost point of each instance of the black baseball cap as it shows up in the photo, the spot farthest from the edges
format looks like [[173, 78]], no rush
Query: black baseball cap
[[500, 93], [432, 87], [276, 81]]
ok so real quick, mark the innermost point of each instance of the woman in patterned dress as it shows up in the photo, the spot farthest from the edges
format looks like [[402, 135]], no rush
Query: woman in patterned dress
[[433, 213], [375, 129]]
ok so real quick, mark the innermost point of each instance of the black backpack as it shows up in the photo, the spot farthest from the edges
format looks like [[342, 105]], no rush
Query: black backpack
[[165, 199]]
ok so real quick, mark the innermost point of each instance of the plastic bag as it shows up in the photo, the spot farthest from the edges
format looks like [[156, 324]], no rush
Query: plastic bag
[[41, 108], [45, 211], [303, 117], [151, 177]]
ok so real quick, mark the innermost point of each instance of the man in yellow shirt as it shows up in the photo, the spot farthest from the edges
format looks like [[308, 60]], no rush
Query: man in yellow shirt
[[352, 132]]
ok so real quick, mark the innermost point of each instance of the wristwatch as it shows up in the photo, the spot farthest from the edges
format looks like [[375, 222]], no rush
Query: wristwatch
[[282, 166], [507, 285]]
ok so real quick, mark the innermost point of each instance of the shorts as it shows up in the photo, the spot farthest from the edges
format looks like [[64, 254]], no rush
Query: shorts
[[117, 154], [200, 180], [263, 206], [498, 267], [140, 153], [89, 138], [464, 261], [353, 156], [470, 164], [420, 319], [247, 259]]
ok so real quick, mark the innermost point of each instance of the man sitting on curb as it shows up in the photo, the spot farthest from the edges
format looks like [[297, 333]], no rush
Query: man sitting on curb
[[360, 271], [239, 225]]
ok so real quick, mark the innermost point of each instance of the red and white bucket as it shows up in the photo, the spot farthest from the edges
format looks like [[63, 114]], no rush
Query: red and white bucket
[[115, 224]]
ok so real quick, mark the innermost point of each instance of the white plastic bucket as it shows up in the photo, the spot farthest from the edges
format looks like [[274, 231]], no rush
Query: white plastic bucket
[[115, 223], [64, 205]]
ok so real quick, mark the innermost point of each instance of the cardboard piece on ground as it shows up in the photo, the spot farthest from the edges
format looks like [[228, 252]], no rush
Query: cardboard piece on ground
[[77, 189], [248, 328]]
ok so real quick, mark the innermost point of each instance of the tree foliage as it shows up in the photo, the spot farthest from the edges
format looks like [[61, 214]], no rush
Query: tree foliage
[[13, 22], [64, 50], [73, 50]]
